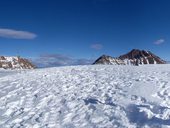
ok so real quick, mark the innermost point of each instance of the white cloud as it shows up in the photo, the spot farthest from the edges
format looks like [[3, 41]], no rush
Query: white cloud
[[15, 34], [160, 41], [96, 46]]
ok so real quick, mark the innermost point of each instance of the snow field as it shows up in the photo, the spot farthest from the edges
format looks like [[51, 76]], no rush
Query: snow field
[[86, 97]]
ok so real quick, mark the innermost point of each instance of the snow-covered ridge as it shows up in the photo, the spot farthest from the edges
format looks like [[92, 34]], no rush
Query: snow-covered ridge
[[15, 63], [96, 96]]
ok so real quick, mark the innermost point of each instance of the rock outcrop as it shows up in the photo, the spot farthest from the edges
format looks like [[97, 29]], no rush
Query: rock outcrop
[[15, 63]]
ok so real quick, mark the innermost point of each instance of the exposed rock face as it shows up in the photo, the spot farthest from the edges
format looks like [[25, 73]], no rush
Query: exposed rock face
[[15, 63], [139, 57], [134, 57], [108, 60]]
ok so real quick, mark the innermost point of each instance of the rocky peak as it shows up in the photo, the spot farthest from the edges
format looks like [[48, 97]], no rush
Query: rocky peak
[[135, 54], [108, 60], [15, 63], [134, 57], [137, 57]]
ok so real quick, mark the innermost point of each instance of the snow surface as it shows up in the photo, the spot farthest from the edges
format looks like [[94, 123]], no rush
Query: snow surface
[[97, 96]]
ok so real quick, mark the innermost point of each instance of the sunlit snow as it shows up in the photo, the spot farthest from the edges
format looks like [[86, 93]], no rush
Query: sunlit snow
[[86, 97]]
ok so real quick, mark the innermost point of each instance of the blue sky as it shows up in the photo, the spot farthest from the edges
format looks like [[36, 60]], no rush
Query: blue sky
[[83, 29]]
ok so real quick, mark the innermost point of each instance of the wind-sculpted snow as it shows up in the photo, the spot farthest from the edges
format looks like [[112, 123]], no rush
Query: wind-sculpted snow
[[86, 97]]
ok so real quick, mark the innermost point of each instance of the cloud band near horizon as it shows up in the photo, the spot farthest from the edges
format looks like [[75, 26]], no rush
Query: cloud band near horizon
[[16, 34], [53, 60]]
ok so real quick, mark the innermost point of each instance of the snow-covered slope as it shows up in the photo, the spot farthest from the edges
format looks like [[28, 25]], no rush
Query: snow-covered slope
[[15, 63], [97, 96]]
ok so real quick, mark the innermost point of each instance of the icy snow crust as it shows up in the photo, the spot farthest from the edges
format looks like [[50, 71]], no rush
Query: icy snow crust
[[86, 97]]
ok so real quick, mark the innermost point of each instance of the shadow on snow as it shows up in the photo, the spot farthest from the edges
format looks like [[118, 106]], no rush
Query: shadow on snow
[[140, 118]]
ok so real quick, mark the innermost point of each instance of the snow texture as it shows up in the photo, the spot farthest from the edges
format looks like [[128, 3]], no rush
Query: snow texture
[[97, 96]]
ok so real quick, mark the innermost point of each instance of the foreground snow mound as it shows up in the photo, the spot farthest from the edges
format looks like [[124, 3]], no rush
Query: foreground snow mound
[[86, 97]]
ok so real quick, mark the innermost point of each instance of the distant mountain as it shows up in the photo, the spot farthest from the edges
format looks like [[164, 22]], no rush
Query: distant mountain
[[108, 60], [15, 63], [134, 57], [139, 57]]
